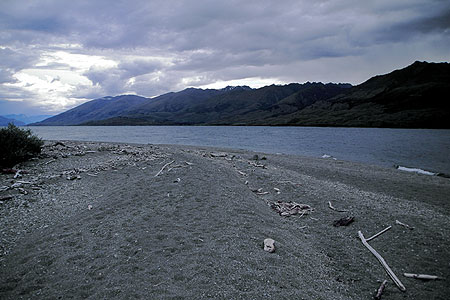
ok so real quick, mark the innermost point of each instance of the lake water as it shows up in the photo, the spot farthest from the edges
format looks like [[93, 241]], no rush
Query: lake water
[[426, 149]]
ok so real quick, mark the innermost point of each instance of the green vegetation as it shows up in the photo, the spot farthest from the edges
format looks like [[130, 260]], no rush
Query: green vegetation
[[17, 145]]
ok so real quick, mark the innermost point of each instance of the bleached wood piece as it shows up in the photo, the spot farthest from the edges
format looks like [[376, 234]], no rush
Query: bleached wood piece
[[333, 208], [388, 270], [422, 276], [380, 290], [403, 224], [18, 175], [50, 161], [169, 163], [379, 233]]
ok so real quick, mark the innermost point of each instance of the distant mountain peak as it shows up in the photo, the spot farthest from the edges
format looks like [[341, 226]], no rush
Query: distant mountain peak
[[235, 88]]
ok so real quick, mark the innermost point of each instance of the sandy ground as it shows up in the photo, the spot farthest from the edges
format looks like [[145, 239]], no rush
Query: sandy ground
[[196, 230]]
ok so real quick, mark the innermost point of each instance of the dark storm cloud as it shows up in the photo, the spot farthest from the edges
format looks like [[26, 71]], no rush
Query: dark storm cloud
[[205, 41], [12, 61]]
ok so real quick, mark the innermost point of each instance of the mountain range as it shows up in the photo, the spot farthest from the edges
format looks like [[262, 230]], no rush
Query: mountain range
[[412, 97], [4, 121], [21, 119]]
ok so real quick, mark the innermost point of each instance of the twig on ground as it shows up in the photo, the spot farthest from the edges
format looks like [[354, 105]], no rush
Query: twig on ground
[[257, 165], [160, 171], [422, 276], [379, 233], [259, 192], [380, 290], [50, 161], [174, 167], [388, 270], [289, 181], [333, 208], [18, 175], [221, 154], [403, 224]]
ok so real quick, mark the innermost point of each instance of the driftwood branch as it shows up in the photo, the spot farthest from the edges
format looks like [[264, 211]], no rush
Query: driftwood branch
[[380, 290], [388, 270], [18, 175], [403, 224], [169, 163], [333, 208], [242, 173], [379, 233], [422, 276]]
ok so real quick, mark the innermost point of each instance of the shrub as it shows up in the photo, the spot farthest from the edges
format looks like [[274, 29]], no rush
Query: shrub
[[17, 145]]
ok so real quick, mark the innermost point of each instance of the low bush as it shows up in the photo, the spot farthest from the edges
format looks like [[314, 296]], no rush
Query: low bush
[[17, 145]]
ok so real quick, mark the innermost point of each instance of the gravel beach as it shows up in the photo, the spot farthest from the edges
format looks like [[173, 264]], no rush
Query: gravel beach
[[120, 221]]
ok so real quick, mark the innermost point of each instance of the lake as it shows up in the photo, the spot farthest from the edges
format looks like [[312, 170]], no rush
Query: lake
[[427, 149]]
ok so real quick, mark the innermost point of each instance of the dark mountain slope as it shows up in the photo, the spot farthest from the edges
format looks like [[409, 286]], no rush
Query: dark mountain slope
[[415, 97], [305, 95], [97, 109], [197, 106]]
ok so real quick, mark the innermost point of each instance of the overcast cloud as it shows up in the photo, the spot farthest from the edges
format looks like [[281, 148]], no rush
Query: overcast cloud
[[55, 54]]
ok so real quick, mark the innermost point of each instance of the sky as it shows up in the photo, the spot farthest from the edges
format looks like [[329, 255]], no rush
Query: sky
[[57, 54]]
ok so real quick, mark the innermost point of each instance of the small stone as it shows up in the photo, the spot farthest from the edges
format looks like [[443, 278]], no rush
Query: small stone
[[269, 245], [343, 221]]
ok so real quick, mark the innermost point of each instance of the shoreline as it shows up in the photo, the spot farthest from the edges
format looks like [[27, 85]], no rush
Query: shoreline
[[196, 229]]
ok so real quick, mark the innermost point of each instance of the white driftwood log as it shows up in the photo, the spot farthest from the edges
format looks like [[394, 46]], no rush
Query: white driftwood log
[[421, 276], [403, 224], [388, 270], [379, 233], [169, 163]]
